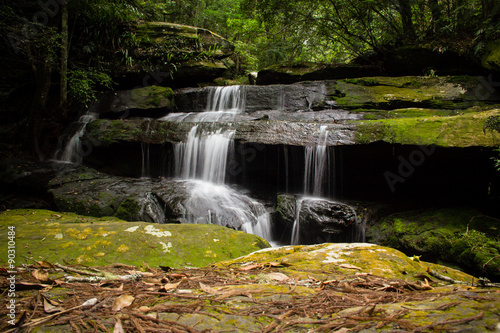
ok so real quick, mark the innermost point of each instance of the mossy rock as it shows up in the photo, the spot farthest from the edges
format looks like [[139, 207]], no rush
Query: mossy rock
[[453, 92], [75, 239], [464, 130], [459, 236], [491, 58], [333, 260]]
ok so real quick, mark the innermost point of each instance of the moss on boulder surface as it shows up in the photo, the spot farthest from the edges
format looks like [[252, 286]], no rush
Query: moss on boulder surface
[[333, 260], [491, 58], [75, 239], [465, 130], [459, 236]]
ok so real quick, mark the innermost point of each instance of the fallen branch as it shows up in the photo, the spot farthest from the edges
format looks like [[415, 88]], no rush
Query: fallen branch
[[442, 277]]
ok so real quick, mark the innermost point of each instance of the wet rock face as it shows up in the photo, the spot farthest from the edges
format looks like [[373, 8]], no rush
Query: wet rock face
[[85, 191], [320, 220]]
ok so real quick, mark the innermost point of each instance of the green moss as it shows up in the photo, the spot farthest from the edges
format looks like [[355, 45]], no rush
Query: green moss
[[460, 236], [67, 237], [491, 58], [128, 210], [454, 131]]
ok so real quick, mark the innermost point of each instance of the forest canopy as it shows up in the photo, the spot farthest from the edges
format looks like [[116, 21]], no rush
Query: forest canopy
[[81, 42]]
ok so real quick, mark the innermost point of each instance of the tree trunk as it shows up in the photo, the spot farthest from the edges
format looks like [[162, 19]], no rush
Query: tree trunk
[[64, 58], [436, 15], [404, 8]]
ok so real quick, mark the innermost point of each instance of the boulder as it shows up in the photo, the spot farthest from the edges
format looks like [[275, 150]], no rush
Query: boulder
[[491, 57], [147, 102], [458, 236], [86, 191], [319, 220], [67, 238]]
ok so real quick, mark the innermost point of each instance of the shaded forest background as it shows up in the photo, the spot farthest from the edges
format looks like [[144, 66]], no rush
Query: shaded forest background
[[56, 54]]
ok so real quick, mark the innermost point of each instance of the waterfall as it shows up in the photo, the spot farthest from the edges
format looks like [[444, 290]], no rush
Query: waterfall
[[296, 224], [223, 104], [74, 151], [226, 99], [202, 159], [316, 165], [204, 155]]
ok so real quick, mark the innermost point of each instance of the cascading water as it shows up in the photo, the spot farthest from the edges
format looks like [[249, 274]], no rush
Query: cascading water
[[223, 103], [316, 165], [204, 155], [202, 160], [73, 151]]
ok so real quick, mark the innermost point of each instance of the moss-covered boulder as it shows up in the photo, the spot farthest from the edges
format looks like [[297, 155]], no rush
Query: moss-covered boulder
[[464, 130], [447, 92], [75, 239], [86, 191], [151, 101], [459, 236], [491, 58], [332, 260]]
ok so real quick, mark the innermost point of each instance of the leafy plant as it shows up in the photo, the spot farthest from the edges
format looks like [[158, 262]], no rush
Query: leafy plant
[[82, 84]]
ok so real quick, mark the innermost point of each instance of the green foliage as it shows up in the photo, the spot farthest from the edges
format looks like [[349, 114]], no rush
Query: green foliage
[[82, 84]]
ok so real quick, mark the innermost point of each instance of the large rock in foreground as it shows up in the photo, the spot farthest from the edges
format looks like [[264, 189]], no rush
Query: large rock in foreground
[[321, 288], [75, 239]]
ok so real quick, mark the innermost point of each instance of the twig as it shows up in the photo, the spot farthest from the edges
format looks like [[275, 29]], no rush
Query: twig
[[442, 277]]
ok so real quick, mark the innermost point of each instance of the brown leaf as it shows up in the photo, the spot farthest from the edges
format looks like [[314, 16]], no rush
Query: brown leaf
[[349, 266], [278, 277], [122, 302], [50, 308], [40, 275], [45, 264], [170, 286], [250, 267], [209, 290], [118, 326]]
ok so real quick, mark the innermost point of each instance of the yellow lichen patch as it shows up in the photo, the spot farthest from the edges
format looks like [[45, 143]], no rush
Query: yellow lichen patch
[[84, 259], [210, 254], [78, 234], [67, 244], [122, 248]]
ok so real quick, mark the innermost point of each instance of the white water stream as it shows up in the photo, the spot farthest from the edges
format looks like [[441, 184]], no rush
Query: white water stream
[[202, 159]]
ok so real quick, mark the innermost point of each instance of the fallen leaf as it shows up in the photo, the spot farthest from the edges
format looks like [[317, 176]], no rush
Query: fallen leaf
[[49, 308], [170, 286], [45, 264], [118, 326], [122, 302], [250, 267], [208, 289], [349, 266], [40, 275], [278, 277]]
